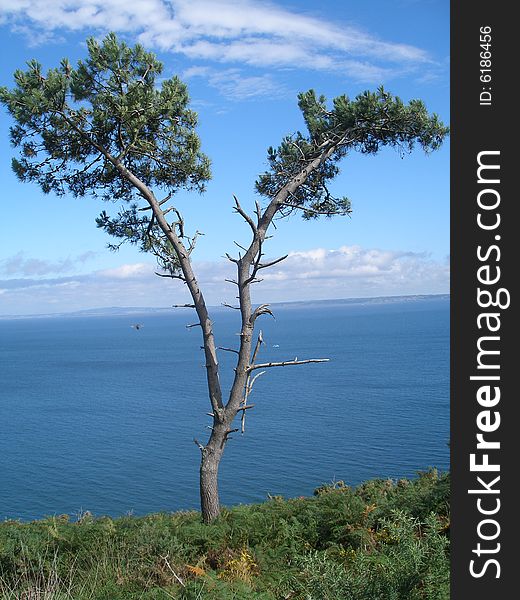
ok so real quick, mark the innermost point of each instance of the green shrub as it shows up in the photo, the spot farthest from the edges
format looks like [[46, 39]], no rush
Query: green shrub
[[382, 540]]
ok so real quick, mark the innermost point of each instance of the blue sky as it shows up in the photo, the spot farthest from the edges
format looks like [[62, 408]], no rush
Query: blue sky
[[244, 62]]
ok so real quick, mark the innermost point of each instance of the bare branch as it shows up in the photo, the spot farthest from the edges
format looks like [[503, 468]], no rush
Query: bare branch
[[272, 262], [179, 222], [287, 363], [201, 447], [263, 309], [248, 387], [165, 558], [258, 210], [193, 241], [171, 276], [258, 255], [244, 215], [227, 349], [259, 342], [230, 258], [150, 225], [230, 306], [193, 325], [300, 150], [252, 383], [159, 202], [240, 246]]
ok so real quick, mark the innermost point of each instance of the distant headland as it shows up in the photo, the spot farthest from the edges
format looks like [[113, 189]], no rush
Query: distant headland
[[144, 310]]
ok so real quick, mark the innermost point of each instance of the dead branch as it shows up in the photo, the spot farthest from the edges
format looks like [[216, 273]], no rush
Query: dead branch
[[201, 447], [171, 276], [193, 242], [259, 342], [272, 262], [165, 558], [287, 363], [254, 379], [230, 306], [230, 258], [263, 309], [248, 387], [227, 349], [239, 246], [244, 215], [179, 222], [159, 202]]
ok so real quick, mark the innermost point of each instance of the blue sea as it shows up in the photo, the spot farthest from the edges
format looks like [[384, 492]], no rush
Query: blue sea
[[96, 415]]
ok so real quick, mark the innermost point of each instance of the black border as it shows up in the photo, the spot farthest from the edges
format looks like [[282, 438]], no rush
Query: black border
[[476, 128]]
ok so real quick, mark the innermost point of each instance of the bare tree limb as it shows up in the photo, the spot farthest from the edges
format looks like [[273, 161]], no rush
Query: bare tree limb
[[240, 246], [201, 447], [258, 210], [287, 363], [244, 215], [231, 259], [227, 349], [263, 309], [171, 276], [159, 202], [259, 342], [230, 306], [248, 386], [272, 262]]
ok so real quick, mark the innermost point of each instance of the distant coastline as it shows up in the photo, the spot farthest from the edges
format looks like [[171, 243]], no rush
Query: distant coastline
[[129, 311]]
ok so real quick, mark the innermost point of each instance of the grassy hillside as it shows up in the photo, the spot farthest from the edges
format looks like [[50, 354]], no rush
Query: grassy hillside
[[383, 540]]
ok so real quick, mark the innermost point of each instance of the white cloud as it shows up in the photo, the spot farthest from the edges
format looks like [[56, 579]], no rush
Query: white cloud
[[246, 32], [20, 264], [346, 272], [352, 271], [232, 84], [126, 271]]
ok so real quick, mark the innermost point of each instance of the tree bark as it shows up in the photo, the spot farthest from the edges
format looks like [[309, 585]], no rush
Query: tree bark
[[211, 455], [209, 496]]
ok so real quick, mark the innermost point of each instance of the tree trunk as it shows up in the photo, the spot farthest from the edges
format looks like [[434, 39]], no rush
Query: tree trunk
[[209, 497]]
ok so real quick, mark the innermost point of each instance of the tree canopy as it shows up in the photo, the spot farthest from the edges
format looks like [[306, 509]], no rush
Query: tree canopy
[[78, 128], [365, 124]]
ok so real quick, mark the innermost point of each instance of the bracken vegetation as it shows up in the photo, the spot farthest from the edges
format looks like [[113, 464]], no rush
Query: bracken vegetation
[[383, 540]]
